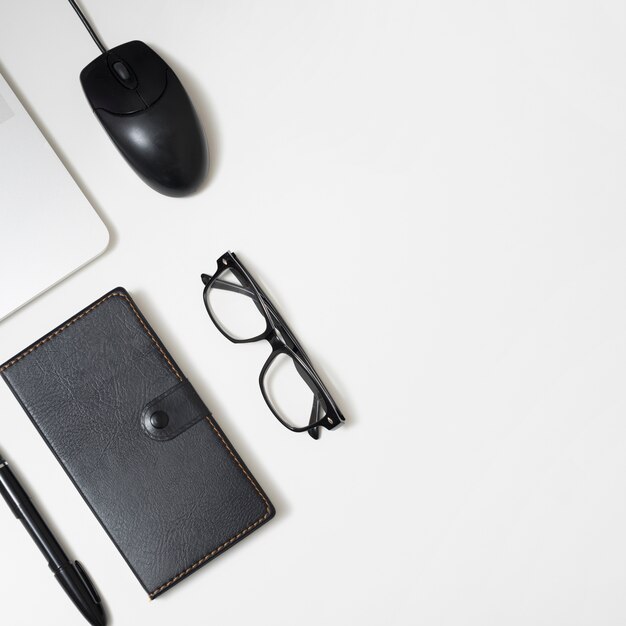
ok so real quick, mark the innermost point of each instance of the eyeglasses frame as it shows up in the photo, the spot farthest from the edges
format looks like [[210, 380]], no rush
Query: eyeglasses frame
[[282, 341]]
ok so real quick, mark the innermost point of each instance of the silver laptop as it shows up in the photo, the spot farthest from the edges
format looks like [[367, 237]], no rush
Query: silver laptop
[[48, 229]]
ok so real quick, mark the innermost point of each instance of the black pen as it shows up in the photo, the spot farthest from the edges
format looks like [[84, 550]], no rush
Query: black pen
[[71, 576]]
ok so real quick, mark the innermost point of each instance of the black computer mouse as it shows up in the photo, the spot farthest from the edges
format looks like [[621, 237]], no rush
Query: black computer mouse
[[148, 116]]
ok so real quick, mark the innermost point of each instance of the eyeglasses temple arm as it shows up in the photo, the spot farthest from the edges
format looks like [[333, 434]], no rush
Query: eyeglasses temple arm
[[315, 416]]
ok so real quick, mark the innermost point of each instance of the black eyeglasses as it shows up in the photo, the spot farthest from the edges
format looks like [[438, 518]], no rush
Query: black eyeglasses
[[289, 383]]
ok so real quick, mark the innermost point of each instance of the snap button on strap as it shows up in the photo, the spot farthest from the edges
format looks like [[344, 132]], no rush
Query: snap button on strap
[[159, 419]]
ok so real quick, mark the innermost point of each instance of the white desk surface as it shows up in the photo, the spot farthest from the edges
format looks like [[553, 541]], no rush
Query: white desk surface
[[434, 192]]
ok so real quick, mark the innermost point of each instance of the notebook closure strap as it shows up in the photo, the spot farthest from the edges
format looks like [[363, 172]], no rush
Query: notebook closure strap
[[173, 412]]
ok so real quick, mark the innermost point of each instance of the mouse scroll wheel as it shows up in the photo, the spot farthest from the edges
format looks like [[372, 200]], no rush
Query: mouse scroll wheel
[[124, 74]]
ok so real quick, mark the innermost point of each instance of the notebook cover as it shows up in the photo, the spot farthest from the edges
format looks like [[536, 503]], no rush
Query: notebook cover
[[171, 498]]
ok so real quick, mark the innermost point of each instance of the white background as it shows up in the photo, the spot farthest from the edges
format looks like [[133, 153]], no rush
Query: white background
[[434, 194]]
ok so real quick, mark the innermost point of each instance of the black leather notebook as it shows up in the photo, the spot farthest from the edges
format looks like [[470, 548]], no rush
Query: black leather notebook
[[137, 441]]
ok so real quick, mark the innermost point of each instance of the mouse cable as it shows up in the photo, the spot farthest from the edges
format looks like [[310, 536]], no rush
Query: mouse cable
[[88, 26]]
